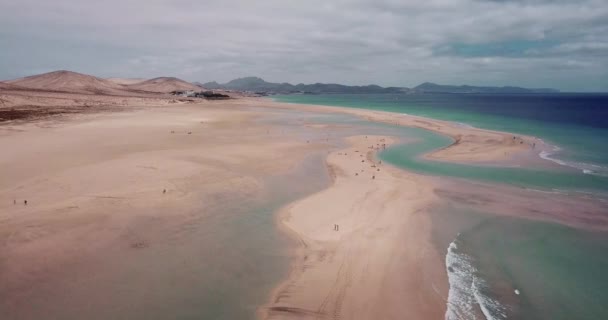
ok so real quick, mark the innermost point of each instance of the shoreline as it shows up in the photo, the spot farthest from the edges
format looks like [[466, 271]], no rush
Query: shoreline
[[518, 149], [311, 291], [469, 144], [148, 198], [384, 252], [291, 298]]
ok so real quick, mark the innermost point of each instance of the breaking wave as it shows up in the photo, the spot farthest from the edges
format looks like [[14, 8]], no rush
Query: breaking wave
[[586, 168], [466, 298]]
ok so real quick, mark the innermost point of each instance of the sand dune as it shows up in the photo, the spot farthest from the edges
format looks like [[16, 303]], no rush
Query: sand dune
[[68, 81], [164, 85]]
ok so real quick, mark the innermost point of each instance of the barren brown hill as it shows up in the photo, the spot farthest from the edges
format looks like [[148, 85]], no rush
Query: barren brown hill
[[68, 81], [164, 84], [126, 81], [6, 86]]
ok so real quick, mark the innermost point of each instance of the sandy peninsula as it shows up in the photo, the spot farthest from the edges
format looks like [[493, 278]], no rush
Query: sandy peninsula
[[364, 248], [470, 145], [364, 245]]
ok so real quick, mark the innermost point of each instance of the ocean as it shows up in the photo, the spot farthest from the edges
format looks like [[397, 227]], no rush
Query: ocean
[[576, 124], [503, 267], [511, 268]]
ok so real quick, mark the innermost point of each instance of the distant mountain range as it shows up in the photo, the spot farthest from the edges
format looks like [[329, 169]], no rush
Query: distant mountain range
[[255, 84], [67, 81], [438, 88]]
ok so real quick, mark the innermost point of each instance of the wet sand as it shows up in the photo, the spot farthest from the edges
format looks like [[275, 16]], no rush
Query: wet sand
[[104, 190], [122, 209], [364, 247], [471, 145], [385, 261]]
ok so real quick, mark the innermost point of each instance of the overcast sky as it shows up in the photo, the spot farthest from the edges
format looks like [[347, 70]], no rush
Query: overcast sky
[[536, 43]]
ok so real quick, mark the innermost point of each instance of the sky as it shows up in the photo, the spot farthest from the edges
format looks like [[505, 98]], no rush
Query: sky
[[536, 43]]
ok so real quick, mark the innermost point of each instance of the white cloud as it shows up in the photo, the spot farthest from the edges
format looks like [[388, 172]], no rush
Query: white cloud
[[389, 42]]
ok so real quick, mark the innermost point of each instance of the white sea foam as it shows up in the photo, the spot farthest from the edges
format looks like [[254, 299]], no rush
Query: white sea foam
[[491, 308], [586, 168], [465, 296]]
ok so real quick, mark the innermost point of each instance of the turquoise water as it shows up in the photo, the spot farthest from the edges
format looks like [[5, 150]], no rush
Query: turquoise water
[[218, 261], [408, 156], [574, 286], [576, 124], [558, 271]]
